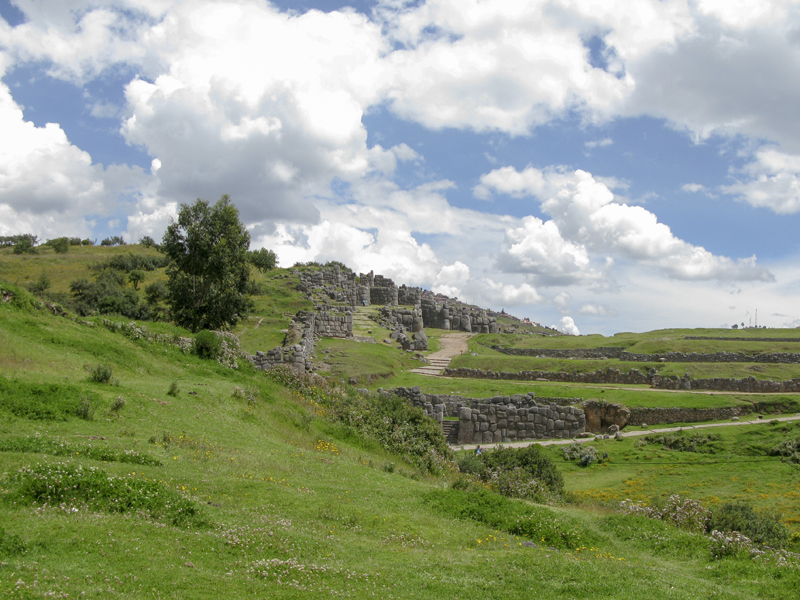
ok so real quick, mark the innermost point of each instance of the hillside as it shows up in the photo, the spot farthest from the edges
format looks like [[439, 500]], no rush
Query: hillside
[[190, 479]]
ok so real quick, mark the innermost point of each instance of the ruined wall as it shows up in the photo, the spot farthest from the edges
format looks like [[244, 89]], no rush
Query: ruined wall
[[576, 353], [409, 296], [502, 418], [651, 416], [634, 376], [684, 357], [456, 318]]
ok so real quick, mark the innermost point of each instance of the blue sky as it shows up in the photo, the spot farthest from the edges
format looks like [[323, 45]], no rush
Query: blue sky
[[595, 166]]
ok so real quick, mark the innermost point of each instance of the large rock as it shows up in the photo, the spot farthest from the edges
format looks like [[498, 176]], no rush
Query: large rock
[[420, 340], [600, 415]]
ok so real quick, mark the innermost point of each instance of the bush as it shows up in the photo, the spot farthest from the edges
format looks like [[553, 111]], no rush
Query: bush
[[70, 485], [788, 449], [390, 421], [207, 344], [174, 389], [88, 242], [39, 401], [60, 245], [762, 528], [585, 455], [683, 442], [681, 512], [532, 460], [39, 444], [471, 464], [537, 523], [114, 240], [99, 373]]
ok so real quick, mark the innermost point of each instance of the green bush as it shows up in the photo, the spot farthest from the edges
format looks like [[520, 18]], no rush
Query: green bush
[[42, 445], [471, 464], [764, 528], [42, 401], [390, 421], [100, 373], [207, 344], [532, 460], [537, 523], [57, 484]]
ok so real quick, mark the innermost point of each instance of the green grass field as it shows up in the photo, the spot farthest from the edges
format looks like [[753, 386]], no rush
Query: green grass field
[[192, 480]]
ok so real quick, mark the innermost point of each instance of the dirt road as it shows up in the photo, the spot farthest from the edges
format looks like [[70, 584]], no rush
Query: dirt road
[[452, 345]]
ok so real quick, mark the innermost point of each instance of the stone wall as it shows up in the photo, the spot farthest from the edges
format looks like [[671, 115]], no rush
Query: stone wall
[[502, 418], [576, 353], [331, 322], [409, 296], [610, 375], [686, 357], [456, 318], [634, 376], [297, 355], [651, 416]]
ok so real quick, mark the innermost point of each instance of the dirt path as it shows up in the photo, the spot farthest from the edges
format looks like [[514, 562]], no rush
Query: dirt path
[[631, 433], [453, 344]]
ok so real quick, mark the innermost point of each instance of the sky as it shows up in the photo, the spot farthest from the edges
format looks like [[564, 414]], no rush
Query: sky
[[594, 165]]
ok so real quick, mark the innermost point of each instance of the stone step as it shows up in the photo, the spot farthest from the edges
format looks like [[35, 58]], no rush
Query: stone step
[[450, 429]]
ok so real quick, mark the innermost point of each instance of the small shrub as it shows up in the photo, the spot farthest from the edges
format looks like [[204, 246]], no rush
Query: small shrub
[[100, 373], [763, 528], [86, 409], [682, 512], [585, 455], [471, 464], [207, 344], [174, 389], [117, 405], [389, 467], [250, 395]]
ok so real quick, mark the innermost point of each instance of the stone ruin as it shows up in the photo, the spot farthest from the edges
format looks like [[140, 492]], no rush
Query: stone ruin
[[502, 419], [420, 309]]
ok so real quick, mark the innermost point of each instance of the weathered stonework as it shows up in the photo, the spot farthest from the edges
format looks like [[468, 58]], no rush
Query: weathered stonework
[[502, 418], [683, 357]]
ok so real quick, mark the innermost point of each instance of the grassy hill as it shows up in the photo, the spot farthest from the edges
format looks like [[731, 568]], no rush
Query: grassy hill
[[178, 477]]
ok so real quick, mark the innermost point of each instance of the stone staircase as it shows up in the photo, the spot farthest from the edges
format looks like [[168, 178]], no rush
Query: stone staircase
[[435, 366], [362, 324], [450, 429]]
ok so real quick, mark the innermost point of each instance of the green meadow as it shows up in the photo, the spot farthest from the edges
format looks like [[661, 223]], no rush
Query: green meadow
[[130, 467]]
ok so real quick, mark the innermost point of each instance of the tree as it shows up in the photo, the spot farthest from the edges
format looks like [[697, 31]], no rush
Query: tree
[[136, 277], [208, 270], [263, 259]]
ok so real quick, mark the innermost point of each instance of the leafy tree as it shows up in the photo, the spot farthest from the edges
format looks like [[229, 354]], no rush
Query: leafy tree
[[136, 277], [60, 245], [208, 270], [263, 259], [148, 242], [24, 244]]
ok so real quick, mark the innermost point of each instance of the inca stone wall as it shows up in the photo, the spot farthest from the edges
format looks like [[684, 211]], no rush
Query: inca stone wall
[[576, 353], [634, 376], [685, 357], [330, 322], [610, 375], [651, 416], [456, 318], [502, 418], [409, 296]]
